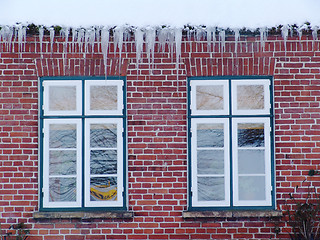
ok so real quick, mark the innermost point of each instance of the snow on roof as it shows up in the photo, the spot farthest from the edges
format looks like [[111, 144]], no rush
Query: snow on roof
[[175, 13]]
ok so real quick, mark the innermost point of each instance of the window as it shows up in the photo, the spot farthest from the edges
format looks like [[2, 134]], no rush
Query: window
[[231, 146], [82, 143]]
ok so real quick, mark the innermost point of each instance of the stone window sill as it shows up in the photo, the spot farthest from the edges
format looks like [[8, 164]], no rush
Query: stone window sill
[[83, 215], [230, 214]]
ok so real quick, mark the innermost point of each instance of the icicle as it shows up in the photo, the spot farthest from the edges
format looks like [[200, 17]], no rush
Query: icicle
[[222, 38], [162, 37], [74, 39], [64, 32], [236, 39], [138, 38], [171, 41], [80, 39], [6, 34], [314, 35], [300, 32], [118, 39], [118, 42], [211, 35], [104, 47], [200, 33], [98, 36], [51, 30], [284, 33], [189, 33], [41, 32], [86, 40], [126, 36], [22, 33], [178, 39], [89, 39], [150, 42], [263, 38]]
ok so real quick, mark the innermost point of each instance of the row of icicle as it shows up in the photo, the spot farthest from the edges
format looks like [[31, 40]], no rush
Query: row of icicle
[[85, 38]]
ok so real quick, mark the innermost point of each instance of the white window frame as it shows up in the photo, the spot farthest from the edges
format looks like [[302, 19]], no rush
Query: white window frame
[[45, 190], [265, 83], [267, 155], [82, 117], [116, 83], [233, 116], [193, 98], [119, 175], [55, 83], [194, 151]]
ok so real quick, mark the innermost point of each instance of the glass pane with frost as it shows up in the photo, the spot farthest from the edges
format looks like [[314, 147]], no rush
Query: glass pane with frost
[[211, 189], [62, 189], [103, 161], [210, 135], [62, 162], [62, 98], [209, 97], [250, 97], [103, 189], [250, 134], [210, 161], [103, 97], [251, 161], [103, 135], [62, 136], [252, 188]]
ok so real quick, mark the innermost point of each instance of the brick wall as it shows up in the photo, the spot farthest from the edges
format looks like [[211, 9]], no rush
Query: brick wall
[[157, 133]]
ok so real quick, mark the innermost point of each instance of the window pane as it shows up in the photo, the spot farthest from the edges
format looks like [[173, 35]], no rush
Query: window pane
[[103, 161], [210, 161], [251, 161], [62, 98], [103, 189], [62, 189], [103, 135], [62, 135], [210, 135], [103, 97], [252, 188], [250, 97], [250, 134], [210, 97], [211, 189], [62, 162]]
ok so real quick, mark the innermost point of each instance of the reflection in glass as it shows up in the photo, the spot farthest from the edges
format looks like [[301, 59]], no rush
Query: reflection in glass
[[62, 162], [251, 161], [210, 161], [210, 135], [211, 189], [103, 98], [210, 97], [250, 134], [103, 135], [252, 188], [62, 135], [250, 97], [103, 189], [62, 98], [62, 189], [103, 161]]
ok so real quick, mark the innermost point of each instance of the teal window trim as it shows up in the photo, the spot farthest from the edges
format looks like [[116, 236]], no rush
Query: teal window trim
[[191, 117], [82, 117]]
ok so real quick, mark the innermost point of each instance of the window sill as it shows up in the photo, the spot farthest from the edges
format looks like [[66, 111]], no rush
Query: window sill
[[230, 214], [83, 215]]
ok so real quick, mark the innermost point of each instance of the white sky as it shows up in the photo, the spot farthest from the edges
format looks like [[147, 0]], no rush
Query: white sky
[[176, 13]]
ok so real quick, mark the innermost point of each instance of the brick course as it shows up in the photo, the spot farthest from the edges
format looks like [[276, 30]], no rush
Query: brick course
[[157, 132]]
